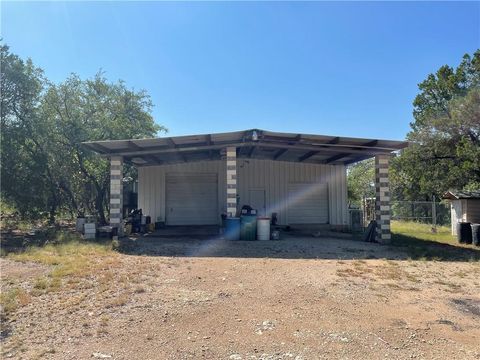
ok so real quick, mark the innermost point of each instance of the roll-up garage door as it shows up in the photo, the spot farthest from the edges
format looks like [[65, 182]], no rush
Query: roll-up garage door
[[191, 199], [307, 203]]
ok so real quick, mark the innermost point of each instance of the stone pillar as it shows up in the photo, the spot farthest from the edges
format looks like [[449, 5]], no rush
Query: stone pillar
[[116, 193], [231, 181], [382, 201]]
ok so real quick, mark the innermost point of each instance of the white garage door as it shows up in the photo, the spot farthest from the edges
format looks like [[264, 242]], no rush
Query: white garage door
[[307, 203], [191, 199]]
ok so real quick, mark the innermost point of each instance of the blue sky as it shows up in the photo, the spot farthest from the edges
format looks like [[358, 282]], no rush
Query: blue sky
[[345, 68]]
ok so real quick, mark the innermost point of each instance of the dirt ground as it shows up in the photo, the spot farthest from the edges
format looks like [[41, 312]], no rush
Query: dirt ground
[[299, 298]]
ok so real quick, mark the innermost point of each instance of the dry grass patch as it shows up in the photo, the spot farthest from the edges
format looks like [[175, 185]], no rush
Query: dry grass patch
[[360, 269], [119, 300], [394, 286], [103, 325], [390, 273], [72, 262], [139, 290], [75, 301], [460, 274], [12, 299], [451, 286], [359, 273], [73, 258]]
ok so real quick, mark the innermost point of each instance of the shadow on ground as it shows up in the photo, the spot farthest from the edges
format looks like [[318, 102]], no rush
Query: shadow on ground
[[205, 242], [431, 250], [293, 246], [286, 248]]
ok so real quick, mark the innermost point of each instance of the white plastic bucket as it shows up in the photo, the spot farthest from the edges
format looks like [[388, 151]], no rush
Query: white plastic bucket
[[263, 228]]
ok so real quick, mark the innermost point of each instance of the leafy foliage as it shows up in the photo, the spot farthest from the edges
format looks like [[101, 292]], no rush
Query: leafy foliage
[[23, 177], [445, 136], [361, 177], [44, 165], [444, 151]]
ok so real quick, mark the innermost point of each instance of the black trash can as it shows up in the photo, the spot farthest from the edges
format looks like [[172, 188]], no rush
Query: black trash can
[[464, 233], [476, 234]]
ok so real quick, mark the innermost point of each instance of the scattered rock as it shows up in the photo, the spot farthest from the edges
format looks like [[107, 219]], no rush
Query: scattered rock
[[265, 326], [99, 355]]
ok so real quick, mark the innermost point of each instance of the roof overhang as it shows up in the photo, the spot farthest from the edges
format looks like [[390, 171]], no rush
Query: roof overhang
[[254, 143], [457, 195]]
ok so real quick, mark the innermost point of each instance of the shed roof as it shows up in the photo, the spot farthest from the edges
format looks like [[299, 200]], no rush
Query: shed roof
[[456, 195], [253, 143]]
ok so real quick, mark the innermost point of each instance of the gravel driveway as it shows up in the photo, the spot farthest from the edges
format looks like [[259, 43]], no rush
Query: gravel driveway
[[298, 298]]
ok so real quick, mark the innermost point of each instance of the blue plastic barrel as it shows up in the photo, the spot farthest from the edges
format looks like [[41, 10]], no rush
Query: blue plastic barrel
[[232, 228], [248, 227]]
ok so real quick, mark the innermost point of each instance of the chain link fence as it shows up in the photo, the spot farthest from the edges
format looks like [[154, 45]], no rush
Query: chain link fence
[[427, 212]]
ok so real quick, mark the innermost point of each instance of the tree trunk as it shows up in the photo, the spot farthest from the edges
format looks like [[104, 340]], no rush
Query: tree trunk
[[99, 204], [71, 196], [100, 195], [53, 209]]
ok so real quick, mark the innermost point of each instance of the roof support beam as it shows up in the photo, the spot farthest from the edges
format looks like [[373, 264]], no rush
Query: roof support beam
[[371, 143], [366, 151], [175, 146], [171, 142], [335, 158], [288, 140], [326, 145], [357, 159], [208, 139], [153, 159], [279, 153], [306, 156], [100, 148], [133, 146]]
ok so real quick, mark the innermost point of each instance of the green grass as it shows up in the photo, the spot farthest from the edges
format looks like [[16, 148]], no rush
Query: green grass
[[420, 242], [424, 232]]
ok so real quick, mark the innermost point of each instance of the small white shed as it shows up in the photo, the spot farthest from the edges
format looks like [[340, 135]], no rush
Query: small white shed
[[465, 207]]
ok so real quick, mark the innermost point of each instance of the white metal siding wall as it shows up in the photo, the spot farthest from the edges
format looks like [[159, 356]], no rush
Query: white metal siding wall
[[151, 184], [273, 176], [456, 214]]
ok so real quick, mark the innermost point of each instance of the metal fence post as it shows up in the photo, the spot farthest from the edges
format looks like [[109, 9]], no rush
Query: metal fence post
[[434, 213]]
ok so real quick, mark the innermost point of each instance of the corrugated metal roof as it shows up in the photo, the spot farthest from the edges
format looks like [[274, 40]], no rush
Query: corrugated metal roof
[[254, 143], [455, 195]]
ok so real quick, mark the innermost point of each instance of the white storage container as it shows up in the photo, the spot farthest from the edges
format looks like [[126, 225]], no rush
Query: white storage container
[[79, 224], [263, 228], [89, 230], [89, 227]]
